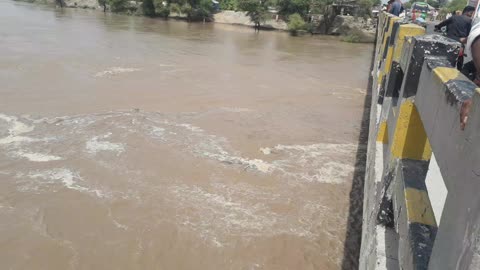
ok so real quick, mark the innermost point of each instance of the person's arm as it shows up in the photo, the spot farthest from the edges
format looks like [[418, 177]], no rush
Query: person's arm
[[475, 51], [444, 23], [467, 105]]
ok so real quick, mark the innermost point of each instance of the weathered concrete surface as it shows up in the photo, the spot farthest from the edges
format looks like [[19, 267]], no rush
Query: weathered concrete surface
[[420, 47], [413, 214], [240, 18], [425, 114], [444, 90], [377, 250]]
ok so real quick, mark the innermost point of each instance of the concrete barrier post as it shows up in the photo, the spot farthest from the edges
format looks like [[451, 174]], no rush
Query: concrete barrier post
[[384, 46], [394, 73], [406, 162], [444, 91], [382, 23], [414, 51], [418, 117]]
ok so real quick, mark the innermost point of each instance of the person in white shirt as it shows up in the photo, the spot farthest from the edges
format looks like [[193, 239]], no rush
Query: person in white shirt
[[472, 50]]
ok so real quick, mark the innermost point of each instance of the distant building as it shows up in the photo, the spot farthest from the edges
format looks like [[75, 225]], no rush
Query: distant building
[[345, 7]]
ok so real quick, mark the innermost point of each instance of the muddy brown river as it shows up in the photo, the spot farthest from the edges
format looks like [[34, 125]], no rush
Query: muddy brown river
[[135, 143]]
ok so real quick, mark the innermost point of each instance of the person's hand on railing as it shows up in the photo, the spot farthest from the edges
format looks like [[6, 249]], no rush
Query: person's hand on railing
[[464, 111]]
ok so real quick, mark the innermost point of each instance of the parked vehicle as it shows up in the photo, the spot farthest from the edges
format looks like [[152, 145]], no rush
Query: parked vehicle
[[420, 11]]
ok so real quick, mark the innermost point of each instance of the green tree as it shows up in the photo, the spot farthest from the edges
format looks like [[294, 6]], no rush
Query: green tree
[[365, 8], [319, 6], [434, 3], [229, 4], [288, 7], [205, 9], [455, 5], [257, 10], [103, 3], [161, 10], [198, 10], [117, 5], [148, 8], [175, 8], [296, 23], [186, 8]]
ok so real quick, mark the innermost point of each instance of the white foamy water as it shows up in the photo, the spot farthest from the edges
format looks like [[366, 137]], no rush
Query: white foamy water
[[180, 183], [115, 71], [266, 150], [236, 110], [307, 163], [94, 145], [65, 176], [37, 157], [322, 162], [221, 211], [16, 139], [254, 164], [15, 129], [213, 211], [42, 179], [68, 178]]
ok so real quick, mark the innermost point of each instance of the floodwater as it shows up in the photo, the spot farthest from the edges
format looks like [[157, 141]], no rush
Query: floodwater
[[134, 143]]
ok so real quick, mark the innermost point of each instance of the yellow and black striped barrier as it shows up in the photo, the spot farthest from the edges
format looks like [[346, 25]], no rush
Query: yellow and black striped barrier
[[418, 98]]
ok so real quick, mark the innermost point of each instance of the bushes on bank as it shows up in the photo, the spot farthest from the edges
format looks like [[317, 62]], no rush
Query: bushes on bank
[[175, 8], [256, 10], [186, 8], [203, 11], [229, 4], [356, 35], [148, 9], [296, 24], [291, 7], [118, 5], [161, 10]]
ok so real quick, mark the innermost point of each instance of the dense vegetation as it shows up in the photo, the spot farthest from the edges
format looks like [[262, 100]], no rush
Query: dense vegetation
[[193, 10], [455, 5], [296, 23], [258, 10]]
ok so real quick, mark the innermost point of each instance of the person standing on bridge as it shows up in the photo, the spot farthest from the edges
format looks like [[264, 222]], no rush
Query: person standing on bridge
[[458, 27], [396, 8]]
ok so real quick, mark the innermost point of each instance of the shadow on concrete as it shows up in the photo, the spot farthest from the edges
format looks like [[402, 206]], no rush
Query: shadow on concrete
[[391, 249], [353, 240]]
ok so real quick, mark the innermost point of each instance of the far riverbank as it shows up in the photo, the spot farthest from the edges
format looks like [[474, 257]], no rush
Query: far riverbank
[[357, 30]]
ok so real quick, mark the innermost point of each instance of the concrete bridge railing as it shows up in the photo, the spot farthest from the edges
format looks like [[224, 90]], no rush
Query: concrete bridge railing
[[422, 185]]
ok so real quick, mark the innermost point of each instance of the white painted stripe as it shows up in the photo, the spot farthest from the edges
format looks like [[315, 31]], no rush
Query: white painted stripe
[[437, 191]]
